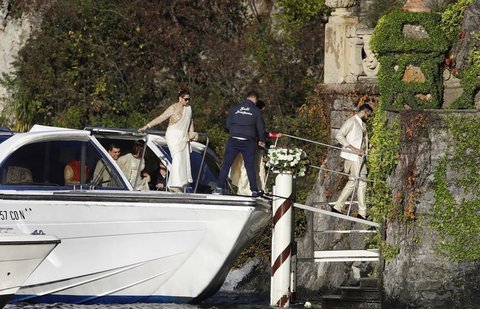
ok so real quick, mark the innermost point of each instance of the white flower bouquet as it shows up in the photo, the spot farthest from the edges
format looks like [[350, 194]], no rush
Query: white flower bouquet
[[281, 160]]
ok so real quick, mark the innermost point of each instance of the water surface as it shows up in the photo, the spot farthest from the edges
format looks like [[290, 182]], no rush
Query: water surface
[[221, 300]]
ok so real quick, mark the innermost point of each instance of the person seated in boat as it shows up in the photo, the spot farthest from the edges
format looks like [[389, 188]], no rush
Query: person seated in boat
[[18, 175], [101, 174], [72, 172], [159, 178], [133, 164]]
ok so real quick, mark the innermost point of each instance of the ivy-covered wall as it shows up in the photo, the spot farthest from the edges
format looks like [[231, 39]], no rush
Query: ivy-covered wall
[[434, 249], [456, 210]]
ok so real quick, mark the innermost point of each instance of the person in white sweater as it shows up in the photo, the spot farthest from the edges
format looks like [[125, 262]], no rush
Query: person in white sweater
[[353, 137]]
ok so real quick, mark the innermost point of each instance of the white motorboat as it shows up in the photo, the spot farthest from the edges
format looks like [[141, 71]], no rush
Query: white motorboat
[[117, 245], [19, 257]]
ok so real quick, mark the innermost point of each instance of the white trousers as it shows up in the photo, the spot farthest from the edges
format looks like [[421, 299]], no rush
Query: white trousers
[[355, 169], [242, 180]]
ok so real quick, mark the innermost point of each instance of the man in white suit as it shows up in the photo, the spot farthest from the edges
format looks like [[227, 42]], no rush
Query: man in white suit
[[354, 139]]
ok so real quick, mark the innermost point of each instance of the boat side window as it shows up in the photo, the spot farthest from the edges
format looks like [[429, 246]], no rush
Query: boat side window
[[50, 164]]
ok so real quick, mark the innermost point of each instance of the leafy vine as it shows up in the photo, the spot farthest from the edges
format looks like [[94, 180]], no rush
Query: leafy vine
[[382, 160], [457, 221]]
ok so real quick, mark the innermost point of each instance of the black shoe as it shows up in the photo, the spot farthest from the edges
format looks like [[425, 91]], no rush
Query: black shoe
[[359, 216], [336, 211], [257, 193], [218, 191]]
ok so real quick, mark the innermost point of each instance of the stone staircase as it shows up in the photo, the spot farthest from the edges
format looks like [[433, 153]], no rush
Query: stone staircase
[[367, 295]]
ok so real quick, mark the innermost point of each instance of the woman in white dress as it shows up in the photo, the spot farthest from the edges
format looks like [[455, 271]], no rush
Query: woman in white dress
[[179, 133]]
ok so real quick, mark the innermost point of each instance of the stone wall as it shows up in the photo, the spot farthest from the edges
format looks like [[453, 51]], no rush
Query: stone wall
[[418, 277], [14, 33]]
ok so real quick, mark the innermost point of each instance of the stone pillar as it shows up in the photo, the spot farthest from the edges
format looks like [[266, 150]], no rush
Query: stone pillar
[[340, 44]]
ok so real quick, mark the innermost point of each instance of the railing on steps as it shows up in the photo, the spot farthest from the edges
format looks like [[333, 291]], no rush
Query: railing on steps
[[339, 255], [333, 147], [342, 255], [346, 255], [336, 215]]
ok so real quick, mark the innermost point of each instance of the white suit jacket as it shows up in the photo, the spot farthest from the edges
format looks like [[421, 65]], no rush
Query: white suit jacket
[[353, 132]]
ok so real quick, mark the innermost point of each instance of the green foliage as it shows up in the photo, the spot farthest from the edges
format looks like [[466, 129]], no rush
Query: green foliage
[[120, 64], [218, 138], [388, 35], [397, 52], [458, 221], [300, 12], [381, 162], [465, 131], [397, 93], [388, 251], [452, 18], [457, 224], [123, 61]]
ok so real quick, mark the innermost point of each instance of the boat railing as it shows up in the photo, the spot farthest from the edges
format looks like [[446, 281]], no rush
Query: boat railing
[[202, 162]]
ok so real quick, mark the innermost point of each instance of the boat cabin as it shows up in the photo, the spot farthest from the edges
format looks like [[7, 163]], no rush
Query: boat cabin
[[58, 158]]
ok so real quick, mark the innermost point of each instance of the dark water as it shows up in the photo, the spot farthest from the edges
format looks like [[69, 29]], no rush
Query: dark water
[[221, 300]]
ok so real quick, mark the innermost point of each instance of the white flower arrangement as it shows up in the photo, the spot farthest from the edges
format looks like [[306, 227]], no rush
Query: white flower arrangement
[[282, 160]]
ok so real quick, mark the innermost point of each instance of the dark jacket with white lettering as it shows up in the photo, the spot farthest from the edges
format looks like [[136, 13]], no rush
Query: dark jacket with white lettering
[[246, 120]]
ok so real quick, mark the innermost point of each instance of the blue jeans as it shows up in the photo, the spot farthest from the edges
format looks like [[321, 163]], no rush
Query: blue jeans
[[248, 149]]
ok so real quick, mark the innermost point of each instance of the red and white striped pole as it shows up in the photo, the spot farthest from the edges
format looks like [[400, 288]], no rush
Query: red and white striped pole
[[281, 240]]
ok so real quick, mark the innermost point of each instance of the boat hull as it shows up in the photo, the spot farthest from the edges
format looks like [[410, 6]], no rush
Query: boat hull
[[133, 247], [20, 255]]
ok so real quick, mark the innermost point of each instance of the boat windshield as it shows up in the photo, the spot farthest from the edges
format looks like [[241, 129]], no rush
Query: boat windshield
[[56, 165]]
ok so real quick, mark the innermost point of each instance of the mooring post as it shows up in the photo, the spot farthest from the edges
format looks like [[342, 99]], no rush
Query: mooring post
[[281, 240]]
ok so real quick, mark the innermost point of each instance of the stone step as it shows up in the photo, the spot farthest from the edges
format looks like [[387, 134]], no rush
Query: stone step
[[338, 302], [359, 293], [368, 282], [367, 295]]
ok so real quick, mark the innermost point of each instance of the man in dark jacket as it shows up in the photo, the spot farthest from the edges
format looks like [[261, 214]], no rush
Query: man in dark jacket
[[246, 126]]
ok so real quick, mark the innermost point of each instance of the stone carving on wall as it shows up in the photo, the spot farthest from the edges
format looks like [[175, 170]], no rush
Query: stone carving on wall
[[370, 63]]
